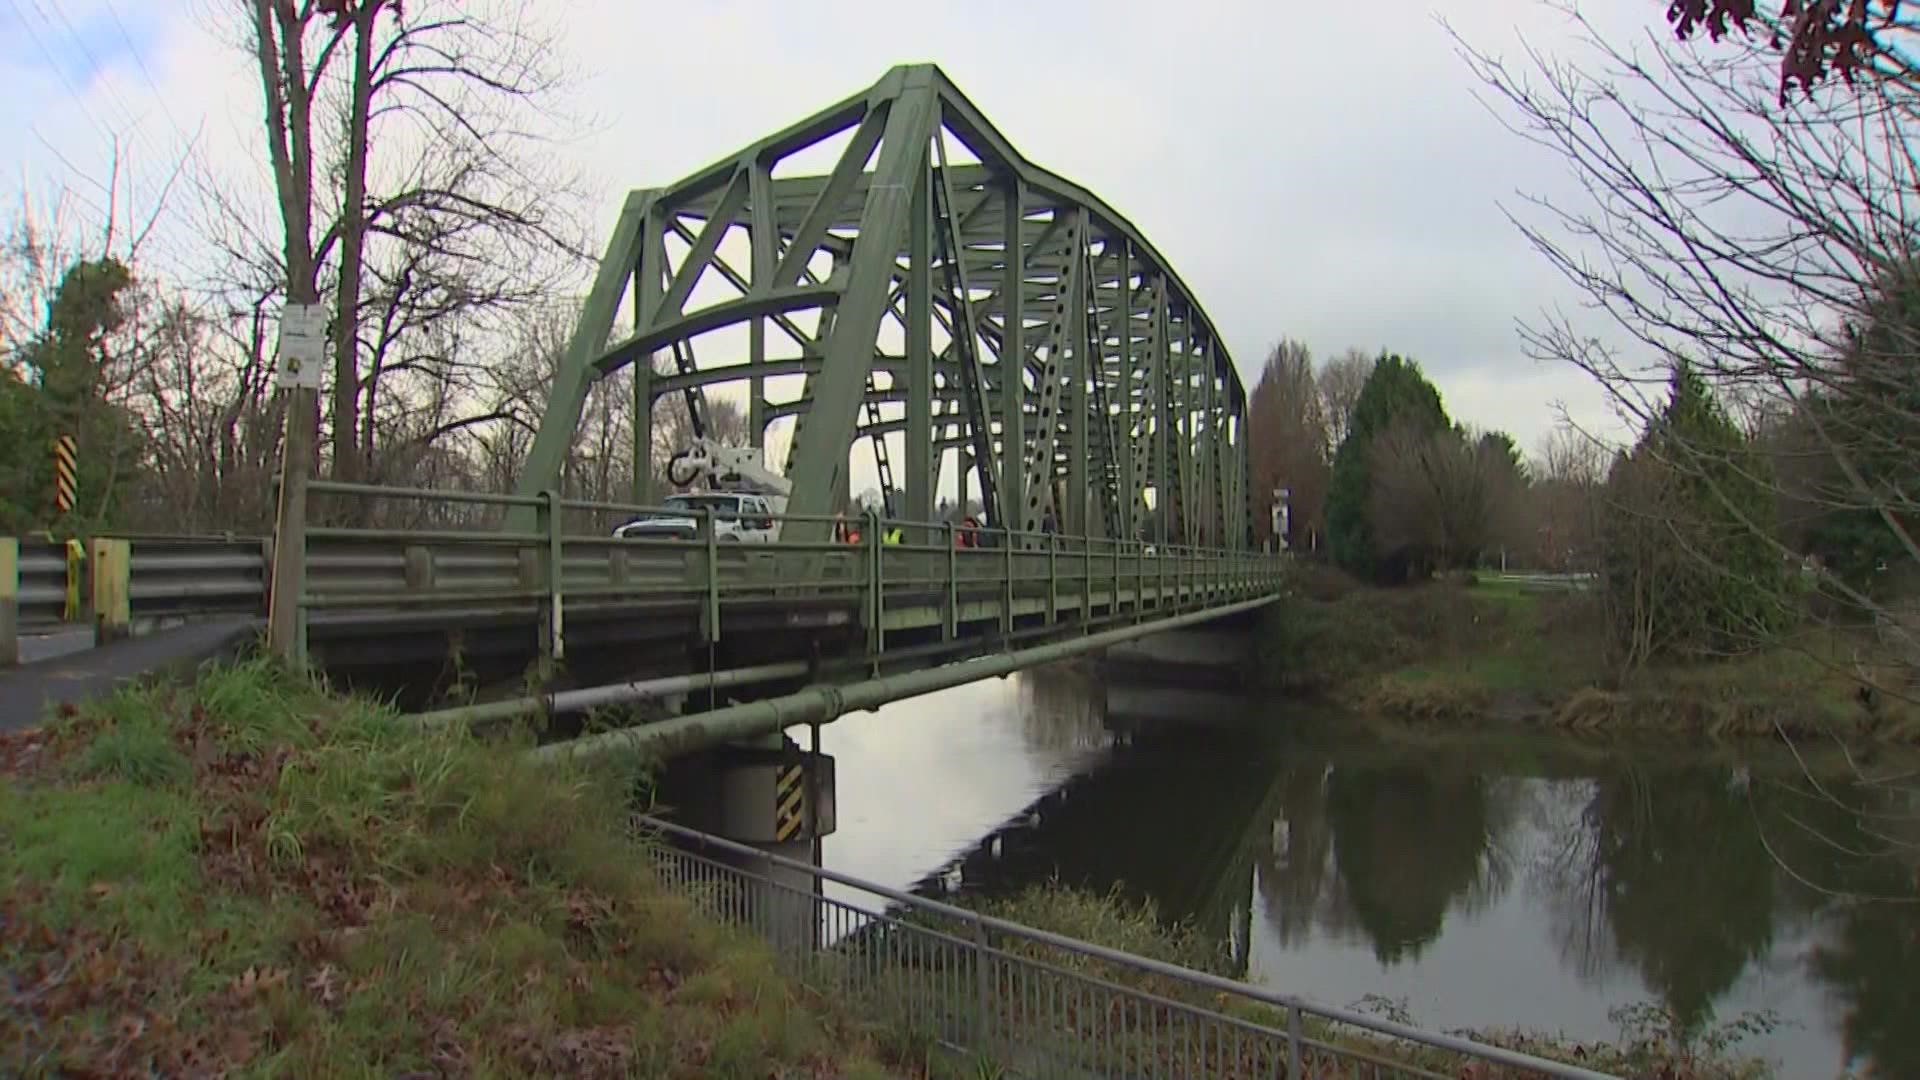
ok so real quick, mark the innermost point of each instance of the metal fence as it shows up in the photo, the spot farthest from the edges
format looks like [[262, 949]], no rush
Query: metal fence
[[1039, 1004]]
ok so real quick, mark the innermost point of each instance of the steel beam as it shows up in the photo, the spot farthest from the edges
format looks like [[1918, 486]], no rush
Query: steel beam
[[922, 467], [568, 392], [1121, 338], [820, 452]]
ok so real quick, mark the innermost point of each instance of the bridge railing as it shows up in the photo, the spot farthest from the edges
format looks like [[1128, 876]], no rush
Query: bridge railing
[[897, 575], [1037, 1003]]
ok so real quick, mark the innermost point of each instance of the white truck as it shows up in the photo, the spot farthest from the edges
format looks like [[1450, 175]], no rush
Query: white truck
[[743, 496]]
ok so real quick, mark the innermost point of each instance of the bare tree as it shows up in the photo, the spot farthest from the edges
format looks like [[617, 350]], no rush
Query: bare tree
[[1564, 500], [1443, 498], [1763, 239], [1287, 445], [1769, 246], [1815, 38], [453, 217], [1340, 380]]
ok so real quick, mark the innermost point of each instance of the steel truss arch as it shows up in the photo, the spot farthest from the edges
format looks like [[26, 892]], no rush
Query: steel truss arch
[[1003, 323]]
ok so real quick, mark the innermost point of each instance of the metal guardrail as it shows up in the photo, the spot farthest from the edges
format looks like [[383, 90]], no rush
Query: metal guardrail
[[174, 577], [1037, 1003], [115, 583], [43, 584], [900, 575]]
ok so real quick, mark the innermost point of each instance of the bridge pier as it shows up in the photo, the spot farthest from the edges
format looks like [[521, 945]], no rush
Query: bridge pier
[[1212, 657], [773, 796]]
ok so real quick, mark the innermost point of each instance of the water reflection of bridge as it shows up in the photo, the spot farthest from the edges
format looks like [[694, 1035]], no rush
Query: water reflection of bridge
[[1168, 815]]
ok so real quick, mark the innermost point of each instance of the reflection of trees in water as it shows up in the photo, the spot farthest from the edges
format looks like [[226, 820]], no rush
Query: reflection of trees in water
[[1294, 862], [1686, 884], [1384, 851], [1863, 839], [1872, 965], [1410, 841], [1059, 708], [1682, 873]]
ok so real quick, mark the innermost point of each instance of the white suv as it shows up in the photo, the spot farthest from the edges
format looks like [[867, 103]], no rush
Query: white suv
[[737, 518]]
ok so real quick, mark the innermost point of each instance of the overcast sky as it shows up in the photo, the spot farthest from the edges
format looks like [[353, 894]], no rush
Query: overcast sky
[[1318, 171]]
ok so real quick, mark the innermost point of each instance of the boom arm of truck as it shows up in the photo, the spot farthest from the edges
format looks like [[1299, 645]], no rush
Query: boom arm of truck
[[726, 468]]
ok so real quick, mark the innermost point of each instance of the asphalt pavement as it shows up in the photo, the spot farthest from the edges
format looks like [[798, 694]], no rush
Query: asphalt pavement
[[62, 670]]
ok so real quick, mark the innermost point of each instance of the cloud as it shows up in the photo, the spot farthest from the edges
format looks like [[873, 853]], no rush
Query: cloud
[[1312, 171]]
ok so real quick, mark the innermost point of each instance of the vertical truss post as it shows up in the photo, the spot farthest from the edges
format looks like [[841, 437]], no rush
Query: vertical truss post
[[648, 279], [1209, 450], [1081, 364], [922, 465], [1057, 372], [1123, 319], [1160, 377], [965, 336], [820, 447], [1012, 363], [576, 372], [764, 236]]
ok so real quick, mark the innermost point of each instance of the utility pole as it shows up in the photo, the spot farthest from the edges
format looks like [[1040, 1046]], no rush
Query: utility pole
[[303, 338]]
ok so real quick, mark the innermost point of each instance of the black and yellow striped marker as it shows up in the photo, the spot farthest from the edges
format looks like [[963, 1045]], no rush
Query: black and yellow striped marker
[[789, 802], [64, 451]]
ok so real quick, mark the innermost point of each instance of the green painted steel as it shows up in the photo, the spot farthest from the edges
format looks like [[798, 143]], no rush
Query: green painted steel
[[905, 582], [824, 703], [932, 288]]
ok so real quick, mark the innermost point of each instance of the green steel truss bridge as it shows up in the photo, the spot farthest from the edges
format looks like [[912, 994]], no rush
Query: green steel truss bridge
[[971, 327], [932, 283]]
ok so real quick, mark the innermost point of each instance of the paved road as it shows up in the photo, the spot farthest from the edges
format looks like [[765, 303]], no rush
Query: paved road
[[38, 647], [79, 673]]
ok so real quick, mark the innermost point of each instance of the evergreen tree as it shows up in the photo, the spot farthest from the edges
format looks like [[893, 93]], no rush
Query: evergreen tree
[[57, 392], [1867, 415], [1395, 393], [1690, 571]]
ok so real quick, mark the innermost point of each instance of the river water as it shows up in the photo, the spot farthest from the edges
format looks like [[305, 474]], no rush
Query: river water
[[1491, 880]]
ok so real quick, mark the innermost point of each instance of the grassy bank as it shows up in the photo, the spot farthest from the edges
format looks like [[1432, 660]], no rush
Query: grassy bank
[[1650, 1043], [250, 877], [1462, 651]]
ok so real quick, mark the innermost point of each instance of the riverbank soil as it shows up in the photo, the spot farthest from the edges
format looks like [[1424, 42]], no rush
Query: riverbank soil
[[249, 876], [1461, 651]]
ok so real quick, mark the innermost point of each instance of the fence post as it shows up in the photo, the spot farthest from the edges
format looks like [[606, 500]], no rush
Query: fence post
[[112, 602], [1053, 578], [9, 601], [983, 981], [876, 606], [553, 636], [1086, 581], [1293, 1042], [1006, 586], [952, 628], [710, 606]]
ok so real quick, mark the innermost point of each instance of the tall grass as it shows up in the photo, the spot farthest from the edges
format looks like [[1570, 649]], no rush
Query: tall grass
[[251, 875]]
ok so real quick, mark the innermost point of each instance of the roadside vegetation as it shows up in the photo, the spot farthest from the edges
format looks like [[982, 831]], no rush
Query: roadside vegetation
[[1461, 651], [250, 877]]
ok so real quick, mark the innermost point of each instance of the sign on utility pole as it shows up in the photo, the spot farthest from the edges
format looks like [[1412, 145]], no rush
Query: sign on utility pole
[[303, 348]]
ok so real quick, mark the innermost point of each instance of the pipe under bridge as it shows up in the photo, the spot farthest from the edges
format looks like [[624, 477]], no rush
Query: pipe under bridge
[[892, 287]]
